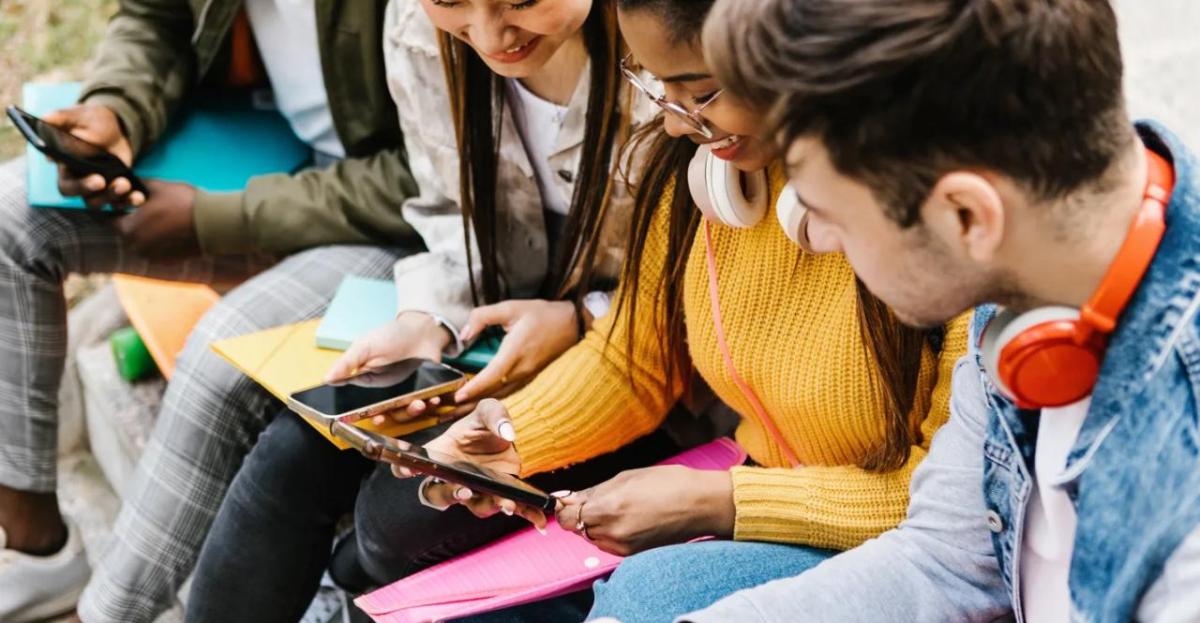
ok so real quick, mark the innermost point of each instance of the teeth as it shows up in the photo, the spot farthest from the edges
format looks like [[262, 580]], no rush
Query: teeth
[[516, 49], [728, 141]]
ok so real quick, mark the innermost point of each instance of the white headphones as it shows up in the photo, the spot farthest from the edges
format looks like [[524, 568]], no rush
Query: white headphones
[[717, 188]]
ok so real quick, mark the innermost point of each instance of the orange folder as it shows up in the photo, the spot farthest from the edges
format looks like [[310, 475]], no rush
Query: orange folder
[[163, 313]]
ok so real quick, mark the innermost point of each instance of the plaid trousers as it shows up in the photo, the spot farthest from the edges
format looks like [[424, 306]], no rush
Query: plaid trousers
[[211, 414]]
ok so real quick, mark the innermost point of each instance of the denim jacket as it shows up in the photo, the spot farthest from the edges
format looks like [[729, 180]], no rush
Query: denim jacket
[[1134, 471], [1133, 474]]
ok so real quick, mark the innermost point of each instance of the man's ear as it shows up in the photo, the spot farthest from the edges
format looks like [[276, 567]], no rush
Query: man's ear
[[965, 211]]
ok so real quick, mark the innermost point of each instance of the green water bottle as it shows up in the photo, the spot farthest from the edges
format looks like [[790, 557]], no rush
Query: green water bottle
[[133, 359]]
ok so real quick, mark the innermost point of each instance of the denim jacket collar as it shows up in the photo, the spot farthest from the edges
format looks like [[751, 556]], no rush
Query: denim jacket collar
[[1166, 297]]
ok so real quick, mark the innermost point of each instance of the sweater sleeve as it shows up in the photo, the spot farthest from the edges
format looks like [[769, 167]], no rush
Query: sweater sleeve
[[839, 507], [594, 398]]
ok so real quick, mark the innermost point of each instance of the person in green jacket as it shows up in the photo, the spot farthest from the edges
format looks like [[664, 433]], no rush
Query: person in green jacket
[[324, 60]]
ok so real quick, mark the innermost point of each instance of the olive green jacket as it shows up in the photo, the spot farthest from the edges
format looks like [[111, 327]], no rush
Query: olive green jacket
[[157, 51]]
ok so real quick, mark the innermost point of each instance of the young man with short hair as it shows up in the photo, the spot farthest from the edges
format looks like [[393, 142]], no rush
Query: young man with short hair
[[325, 62], [963, 153]]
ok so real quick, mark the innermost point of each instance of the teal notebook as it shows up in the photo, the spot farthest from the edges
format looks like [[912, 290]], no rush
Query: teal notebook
[[362, 304], [216, 145], [359, 306]]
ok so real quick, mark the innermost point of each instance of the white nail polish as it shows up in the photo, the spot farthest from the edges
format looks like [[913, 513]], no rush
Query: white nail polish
[[507, 432]]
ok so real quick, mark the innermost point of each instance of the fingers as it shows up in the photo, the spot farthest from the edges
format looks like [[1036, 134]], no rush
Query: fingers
[[486, 316], [532, 515], [63, 118], [415, 409], [348, 363], [494, 375], [494, 417]]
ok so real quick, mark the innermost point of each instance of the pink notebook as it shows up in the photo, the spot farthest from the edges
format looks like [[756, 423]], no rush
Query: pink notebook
[[518, 569]]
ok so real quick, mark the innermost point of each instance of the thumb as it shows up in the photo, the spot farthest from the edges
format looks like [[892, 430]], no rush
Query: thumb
[[494, 417], [350, 361], [494, 375], [64, 118], [126, 225]]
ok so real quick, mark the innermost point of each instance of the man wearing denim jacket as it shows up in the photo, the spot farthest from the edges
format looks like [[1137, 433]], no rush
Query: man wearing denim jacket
[[1000, 167]]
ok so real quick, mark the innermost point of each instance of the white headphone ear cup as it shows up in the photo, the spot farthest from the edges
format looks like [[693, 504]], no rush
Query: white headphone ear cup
[[1005, 326], [698, 184], [716, 187], [792, 217], [734, 205]]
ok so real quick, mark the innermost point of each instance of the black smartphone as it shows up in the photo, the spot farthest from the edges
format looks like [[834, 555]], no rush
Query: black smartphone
[[477, 477], [80, 156], [387, 389]]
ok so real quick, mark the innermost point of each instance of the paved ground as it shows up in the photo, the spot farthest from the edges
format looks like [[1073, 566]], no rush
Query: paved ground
[[1162, 61]]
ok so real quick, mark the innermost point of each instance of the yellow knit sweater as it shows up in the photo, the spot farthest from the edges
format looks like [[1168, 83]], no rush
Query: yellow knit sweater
[[791, 322]]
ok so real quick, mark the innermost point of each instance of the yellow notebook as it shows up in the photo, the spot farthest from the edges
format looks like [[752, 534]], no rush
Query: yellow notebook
[[284, 361]]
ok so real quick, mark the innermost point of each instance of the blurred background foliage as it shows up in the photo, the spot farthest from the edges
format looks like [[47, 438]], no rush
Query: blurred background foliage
[[45, 40]]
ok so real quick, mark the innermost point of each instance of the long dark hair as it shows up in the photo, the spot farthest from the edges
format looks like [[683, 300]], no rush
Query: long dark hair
[[477, 104], [893, 350]]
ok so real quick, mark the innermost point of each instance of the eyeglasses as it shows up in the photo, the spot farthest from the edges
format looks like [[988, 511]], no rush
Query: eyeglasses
[[691, 117]]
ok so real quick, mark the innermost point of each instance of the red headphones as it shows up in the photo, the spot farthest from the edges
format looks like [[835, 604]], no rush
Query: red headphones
[[1051, 356]]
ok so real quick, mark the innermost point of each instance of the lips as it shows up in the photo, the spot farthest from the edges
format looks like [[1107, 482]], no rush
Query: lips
[[518, 53], [727, 148]]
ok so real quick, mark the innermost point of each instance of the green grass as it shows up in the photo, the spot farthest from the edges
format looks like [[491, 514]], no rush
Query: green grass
[[45, 40]]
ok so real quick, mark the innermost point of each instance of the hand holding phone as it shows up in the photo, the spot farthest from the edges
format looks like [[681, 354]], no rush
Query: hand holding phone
[[380, 390], [484, 438], [479, 478], [92, 152]]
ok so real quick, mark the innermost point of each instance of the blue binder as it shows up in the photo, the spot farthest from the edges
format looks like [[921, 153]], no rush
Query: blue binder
[[215, 145]]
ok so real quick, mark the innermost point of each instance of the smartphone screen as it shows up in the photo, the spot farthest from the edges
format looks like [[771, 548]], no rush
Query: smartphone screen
[[404, 377]]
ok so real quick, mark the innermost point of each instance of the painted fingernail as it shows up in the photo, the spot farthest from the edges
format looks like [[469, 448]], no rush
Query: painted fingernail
[[463, 494], [560, 494], [541, 531], [507, 432], [506, 511]]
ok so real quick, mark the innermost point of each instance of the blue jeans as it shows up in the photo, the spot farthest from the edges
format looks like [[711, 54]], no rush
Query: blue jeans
[[664, 583]]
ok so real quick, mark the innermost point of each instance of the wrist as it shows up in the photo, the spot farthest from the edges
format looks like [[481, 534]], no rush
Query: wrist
[[434, 333], [714, 500]]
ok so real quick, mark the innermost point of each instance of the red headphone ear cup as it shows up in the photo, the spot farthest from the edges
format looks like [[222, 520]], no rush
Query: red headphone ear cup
[[1036, 359]]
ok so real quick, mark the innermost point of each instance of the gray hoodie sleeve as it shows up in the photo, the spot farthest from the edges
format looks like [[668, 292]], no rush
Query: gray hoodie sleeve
[[938, 565]]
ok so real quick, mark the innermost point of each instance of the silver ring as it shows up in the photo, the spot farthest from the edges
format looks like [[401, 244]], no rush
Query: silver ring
[[580, 526]]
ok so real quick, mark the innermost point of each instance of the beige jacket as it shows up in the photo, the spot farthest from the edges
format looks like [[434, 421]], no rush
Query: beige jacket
[[437, 281]]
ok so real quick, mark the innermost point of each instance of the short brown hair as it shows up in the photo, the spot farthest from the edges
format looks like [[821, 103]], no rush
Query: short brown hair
[[902, 92]]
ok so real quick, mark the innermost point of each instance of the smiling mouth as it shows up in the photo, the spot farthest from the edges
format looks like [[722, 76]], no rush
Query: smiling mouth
[[726, 143], [517, 53]]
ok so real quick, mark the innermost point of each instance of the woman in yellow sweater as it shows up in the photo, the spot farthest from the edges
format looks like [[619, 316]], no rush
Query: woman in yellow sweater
[[849, 399]]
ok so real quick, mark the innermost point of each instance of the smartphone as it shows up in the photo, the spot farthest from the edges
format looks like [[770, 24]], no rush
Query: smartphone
[[450, 469], [481, 352], [80, 156], [387, 389]]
